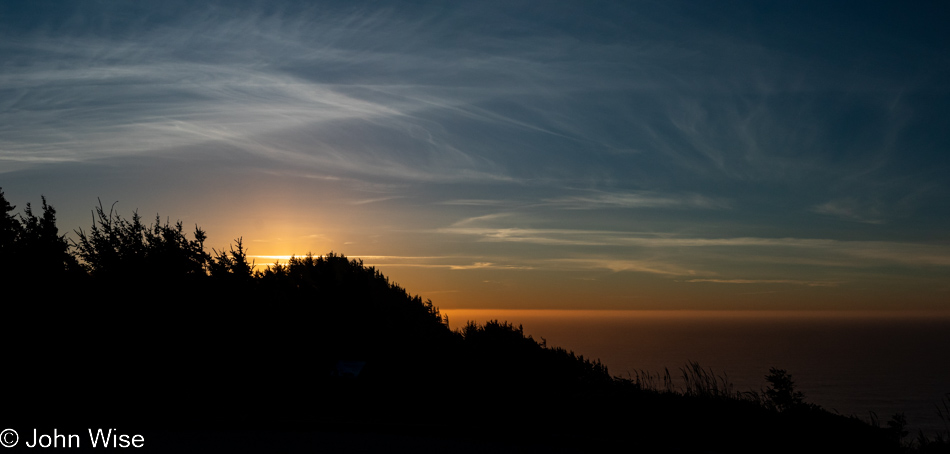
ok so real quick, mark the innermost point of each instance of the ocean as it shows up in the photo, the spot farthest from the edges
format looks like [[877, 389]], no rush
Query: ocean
[[865, 364]]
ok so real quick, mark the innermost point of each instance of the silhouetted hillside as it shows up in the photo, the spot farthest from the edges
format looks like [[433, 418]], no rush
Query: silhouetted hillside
[[137, 322]]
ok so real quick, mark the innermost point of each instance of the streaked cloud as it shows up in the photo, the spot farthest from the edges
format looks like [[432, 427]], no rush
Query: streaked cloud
[[446, 262], [374, 200], [770, 281], [818, 252], [474, 202], [644, 199], [850, 209], [619, 265]]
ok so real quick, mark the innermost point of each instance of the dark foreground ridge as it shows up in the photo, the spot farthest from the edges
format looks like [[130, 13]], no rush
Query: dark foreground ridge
[[136, 327]]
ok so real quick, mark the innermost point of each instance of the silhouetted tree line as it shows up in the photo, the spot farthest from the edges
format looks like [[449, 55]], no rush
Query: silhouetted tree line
[[137, 319], [153, 301]]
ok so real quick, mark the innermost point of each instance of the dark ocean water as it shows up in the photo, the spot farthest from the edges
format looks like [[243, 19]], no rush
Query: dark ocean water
[[851, 363]]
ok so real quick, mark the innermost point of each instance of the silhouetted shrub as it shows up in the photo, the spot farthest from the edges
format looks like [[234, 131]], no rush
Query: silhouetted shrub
[[781, 394]]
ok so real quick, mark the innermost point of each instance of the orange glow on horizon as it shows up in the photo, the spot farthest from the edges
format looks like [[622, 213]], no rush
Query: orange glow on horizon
[[459, 317]]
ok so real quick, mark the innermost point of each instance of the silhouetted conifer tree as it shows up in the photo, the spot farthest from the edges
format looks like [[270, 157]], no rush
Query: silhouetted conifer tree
[[47, 251], [124, 250], [32, 251], [232, 265], [9, 230]]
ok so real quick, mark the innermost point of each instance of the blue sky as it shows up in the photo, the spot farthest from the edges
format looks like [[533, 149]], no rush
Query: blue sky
[[509, 154]]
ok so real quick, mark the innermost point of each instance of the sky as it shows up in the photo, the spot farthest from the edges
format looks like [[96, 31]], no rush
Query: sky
[[509, 154]]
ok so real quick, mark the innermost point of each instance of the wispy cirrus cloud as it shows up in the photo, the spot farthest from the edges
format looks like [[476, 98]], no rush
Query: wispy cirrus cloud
[[421, 95], [814, 251], [616, 265], [770, 281], [445, 262], [374, 200], [343, 90], [476, 202], [850, 209], [642, 199]]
